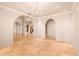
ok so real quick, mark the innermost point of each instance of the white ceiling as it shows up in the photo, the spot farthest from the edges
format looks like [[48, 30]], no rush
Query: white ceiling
[[39, 8]]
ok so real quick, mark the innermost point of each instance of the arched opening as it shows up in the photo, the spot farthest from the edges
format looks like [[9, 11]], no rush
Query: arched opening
[[50, 29], [23, 28]]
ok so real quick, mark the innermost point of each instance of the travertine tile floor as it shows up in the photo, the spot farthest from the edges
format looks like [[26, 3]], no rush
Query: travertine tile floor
[[35, 46]]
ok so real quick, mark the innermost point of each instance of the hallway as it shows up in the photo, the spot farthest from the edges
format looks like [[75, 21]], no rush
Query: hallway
[[35, 46]]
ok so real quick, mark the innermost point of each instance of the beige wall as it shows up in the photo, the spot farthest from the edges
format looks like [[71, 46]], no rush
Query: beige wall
[[63, 26], [7, 19], [38, 28], [75, 16]]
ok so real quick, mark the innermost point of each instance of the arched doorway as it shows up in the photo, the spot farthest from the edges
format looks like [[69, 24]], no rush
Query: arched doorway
[[28, 29], [50, 29], [23, 28]]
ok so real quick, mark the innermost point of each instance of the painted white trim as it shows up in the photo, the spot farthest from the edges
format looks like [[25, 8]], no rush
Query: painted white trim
[[10, 9], [67, 12]]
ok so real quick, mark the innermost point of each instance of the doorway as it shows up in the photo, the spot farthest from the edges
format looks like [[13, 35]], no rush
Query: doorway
[[28, 29], [50, 29], [23, 28]]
